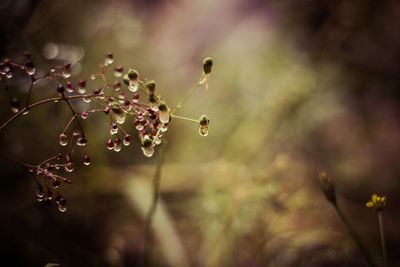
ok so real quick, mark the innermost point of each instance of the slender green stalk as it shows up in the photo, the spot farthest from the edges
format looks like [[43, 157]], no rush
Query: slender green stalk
[[383, 243], [354, 236], [184, 118], [179, 105], [152, 210]]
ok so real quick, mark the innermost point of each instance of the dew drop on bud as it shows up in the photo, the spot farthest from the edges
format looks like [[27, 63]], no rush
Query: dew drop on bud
[[69, 166], [163, 115], [40, 193], [148, 151], [109, 59], [9, 75], [87, 99], [56, 184], [86, 160], [15, 104], [204, 123], [203, 130], [135, 98], [76, 133], [117, 145], [84, 115], [118, 71], [30, 68], [66, 73], [82, 87], [62, 208], [120, 116], [63, 139], [164, 127], [133, 85], [110, 144], [147, 147], [127, 140], [81, 141], [70, 87], [117, 86], [113, 128]]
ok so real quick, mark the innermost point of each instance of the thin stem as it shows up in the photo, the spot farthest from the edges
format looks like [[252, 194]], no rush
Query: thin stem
[[383, 243], [354, 236], [30, 91], [19, 113], [179, 105], [152, 210], [69, 123], [184, 118]]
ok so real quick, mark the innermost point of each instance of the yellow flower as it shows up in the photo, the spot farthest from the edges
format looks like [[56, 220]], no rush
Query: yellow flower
[[376, 202]]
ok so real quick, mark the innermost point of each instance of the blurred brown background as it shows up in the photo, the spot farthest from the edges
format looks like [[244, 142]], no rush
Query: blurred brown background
[[297, 87]]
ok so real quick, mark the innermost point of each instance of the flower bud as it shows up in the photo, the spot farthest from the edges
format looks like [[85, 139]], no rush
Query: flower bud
[[328, 187], [204, 127], [207, 65], [151, 86]]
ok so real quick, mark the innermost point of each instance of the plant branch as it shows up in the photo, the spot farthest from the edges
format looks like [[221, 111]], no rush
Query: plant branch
[[19, 113], [354, 236], [383, 243], [179, 105]]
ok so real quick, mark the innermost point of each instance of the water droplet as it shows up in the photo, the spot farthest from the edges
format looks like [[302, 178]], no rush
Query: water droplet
[[135, 98], [164, 127], [120, 117], [84, 115], [140, 115], [69, 166], [56, 184], [118, 71], [158, 140], [62, 208], [117, 86], [139, 126], [81, 141], [87, 99], [148, 151], [66, 73], [82, 87], [203, 130], [113, 128], [15, 104], [40, 193], [70, 87], [9, 75], [133, 85], [30, 68], [163, 115], [127, 140], [76, 133], [25, 112], [93, 77], [63, 139], [109, 59], [86, 160], [117, 144], [110, 144]]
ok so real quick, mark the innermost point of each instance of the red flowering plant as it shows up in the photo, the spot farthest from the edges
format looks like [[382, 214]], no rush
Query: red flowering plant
[[127, 98]]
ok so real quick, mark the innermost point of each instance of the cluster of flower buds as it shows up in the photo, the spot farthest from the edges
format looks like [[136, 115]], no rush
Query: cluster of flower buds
[[140, 104], [49, 183]]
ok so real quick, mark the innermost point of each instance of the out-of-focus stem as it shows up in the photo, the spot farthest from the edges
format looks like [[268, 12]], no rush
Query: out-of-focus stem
[[383, 243], [153, 207], [354, 236]]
